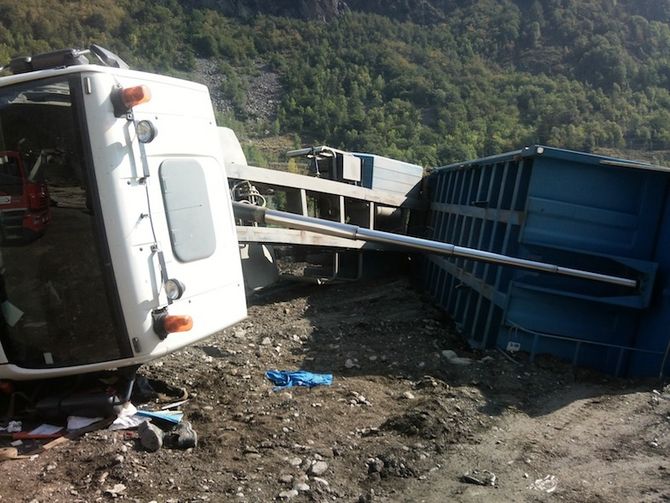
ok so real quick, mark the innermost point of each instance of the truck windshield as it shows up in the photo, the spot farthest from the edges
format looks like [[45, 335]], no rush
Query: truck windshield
[[53, 296]]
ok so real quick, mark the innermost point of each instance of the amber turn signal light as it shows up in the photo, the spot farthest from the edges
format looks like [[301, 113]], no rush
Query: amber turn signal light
[[124, 99], [177, 323], [136, 95], [165, 324]]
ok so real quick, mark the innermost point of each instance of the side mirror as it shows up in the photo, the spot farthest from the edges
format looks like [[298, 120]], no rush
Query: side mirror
[[108, 58]]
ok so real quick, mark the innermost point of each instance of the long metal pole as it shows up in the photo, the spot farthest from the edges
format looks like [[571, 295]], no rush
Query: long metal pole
[[347, 231]]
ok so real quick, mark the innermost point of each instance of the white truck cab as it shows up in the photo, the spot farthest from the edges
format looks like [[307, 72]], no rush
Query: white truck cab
[[137, 254]]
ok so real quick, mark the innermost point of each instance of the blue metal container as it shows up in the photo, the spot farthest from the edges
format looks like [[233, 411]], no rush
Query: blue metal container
[[390, 175], [573, 209]]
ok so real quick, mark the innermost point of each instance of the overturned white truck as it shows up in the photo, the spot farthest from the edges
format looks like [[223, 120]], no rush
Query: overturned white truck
[[140, 241], [137, 255]]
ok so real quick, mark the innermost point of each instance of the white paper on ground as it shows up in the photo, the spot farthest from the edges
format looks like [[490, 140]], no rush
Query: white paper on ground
[[46, 429], [127, 418], [78, 422], [127, 422]]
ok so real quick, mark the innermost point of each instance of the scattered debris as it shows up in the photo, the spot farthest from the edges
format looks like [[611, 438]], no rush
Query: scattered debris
[[127, 418], [174, 404], [454, 359], [45, 430], [358, 399], [7, 453], [77, 422], [115, 491], [286, 379], [548, 484], [173, 417], [12, 427], [479, 477]]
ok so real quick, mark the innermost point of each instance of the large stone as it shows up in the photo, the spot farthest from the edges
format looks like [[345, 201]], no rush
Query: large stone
[[151, 436]]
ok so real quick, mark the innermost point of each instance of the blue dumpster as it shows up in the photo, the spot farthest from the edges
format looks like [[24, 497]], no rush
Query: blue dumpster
[[573, 209]]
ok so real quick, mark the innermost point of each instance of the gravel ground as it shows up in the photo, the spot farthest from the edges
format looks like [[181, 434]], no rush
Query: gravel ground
[[412, 415]]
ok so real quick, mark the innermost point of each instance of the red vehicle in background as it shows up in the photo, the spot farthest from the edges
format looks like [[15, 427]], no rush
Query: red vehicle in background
[[24, 199]]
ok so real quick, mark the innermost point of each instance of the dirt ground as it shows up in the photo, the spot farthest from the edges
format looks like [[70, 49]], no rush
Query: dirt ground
[[401, 422]]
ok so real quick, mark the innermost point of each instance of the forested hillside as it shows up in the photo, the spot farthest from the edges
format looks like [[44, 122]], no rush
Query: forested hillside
[[426, 81]]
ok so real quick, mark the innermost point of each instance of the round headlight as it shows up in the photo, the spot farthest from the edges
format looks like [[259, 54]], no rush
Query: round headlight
[[146, 131], [174, 289]]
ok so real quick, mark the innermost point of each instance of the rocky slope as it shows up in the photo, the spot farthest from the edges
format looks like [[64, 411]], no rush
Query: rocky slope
[[303, 9], [418, 11]]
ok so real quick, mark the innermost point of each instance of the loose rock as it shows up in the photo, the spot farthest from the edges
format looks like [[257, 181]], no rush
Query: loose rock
[[151, 436], [287, 495], [479, 477], [449, 354], [318, 468], [301, 487], [116, 490], [375, 465], [321, 481]]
